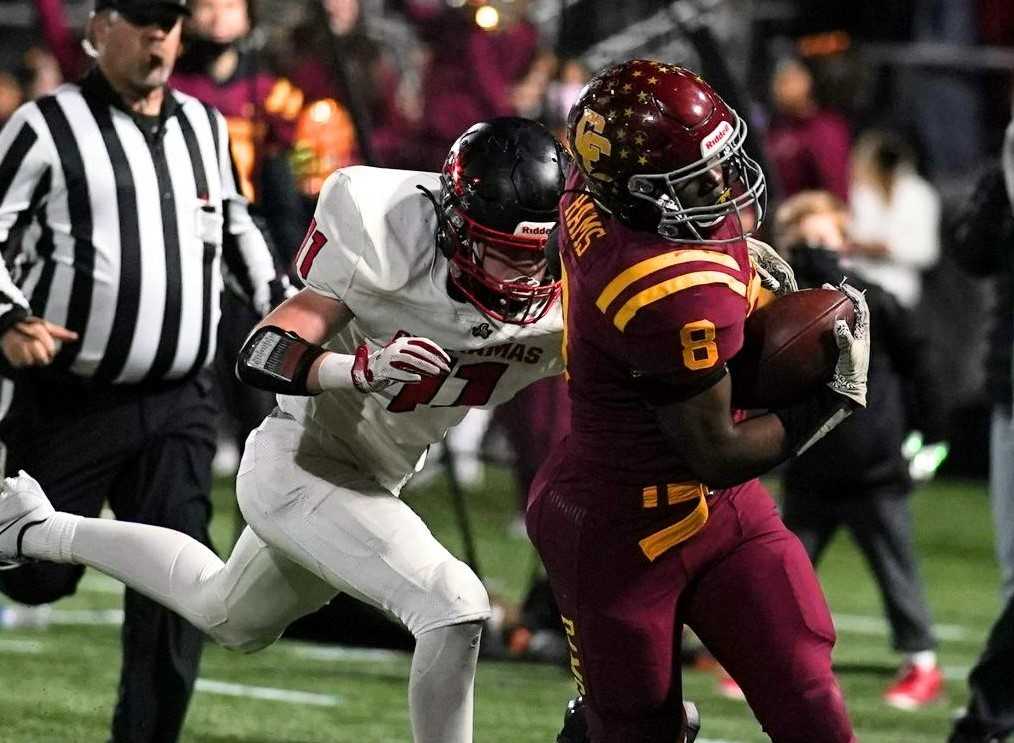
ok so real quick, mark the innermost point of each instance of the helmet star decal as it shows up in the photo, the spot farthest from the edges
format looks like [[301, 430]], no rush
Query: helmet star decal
[[677, 131]]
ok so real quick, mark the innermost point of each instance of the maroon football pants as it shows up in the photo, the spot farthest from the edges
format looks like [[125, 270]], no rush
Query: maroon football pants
[[743, 583]]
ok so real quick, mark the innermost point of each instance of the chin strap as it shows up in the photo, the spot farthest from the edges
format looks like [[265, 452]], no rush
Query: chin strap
[[440, 231]]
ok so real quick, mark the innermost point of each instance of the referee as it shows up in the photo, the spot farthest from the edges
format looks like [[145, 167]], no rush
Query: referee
[[118, 209]]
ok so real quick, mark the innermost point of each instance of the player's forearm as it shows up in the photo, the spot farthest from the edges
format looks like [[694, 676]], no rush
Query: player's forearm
[[283, 354], [744, 451], [310, 315]]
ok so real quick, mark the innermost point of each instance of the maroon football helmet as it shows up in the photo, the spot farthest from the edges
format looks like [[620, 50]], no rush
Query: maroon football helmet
[[662, 151]]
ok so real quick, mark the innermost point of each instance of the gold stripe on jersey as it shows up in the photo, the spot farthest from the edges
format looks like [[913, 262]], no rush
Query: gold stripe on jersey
[[649, 496], [672, 286], [753, 292], [683, 491], [650, 265], [656, 544]]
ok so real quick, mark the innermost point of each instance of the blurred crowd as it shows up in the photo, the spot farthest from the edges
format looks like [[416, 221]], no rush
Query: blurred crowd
[[852, 124]]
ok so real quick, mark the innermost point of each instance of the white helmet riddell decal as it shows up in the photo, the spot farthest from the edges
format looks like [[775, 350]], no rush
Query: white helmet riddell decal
[[716, 139], [534, 229]]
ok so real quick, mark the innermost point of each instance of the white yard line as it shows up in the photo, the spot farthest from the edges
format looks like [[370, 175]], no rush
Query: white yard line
[[74, 617], [877, 626], [290, 696], [29, 647]]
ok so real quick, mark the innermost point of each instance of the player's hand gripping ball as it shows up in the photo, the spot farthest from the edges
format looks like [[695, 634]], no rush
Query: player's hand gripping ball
[[789, 348]]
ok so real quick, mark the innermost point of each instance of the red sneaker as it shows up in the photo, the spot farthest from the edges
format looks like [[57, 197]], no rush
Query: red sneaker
[[915, 688]]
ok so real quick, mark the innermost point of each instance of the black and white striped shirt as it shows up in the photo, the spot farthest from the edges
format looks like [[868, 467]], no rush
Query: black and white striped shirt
[[116, 228]]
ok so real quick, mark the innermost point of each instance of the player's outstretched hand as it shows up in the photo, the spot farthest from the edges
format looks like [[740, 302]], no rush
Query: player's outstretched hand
[[853, 349], [775, 272], [407, 359]]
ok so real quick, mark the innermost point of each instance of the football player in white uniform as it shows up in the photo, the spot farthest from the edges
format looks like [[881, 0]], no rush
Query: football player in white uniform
[[399, 266]]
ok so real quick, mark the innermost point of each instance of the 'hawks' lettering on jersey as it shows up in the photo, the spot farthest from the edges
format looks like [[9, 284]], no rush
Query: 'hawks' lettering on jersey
[[639, 307], [372, 247]]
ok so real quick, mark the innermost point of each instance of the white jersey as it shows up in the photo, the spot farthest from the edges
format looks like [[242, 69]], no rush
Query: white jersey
[[372, 247]]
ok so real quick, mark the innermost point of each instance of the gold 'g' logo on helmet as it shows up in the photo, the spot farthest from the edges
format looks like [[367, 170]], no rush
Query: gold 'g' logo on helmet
[[589, 142]]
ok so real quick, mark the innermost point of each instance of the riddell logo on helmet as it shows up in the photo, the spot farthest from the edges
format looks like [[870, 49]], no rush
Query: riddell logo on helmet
[[534, 229], [716, 139]]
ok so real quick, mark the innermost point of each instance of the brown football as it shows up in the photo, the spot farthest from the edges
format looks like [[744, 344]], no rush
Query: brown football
[[789, 348]]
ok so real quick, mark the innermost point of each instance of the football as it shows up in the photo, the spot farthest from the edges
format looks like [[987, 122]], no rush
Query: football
[[789, 348]]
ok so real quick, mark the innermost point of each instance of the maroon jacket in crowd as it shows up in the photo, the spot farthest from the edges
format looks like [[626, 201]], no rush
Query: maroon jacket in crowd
[[260, 108], [471, 76], [810, 153]]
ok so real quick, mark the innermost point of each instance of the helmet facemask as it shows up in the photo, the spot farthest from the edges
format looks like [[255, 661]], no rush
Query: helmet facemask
[[519, 291], [744, 188]]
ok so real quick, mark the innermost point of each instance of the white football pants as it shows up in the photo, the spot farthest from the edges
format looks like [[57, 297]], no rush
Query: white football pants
[[317, 527]]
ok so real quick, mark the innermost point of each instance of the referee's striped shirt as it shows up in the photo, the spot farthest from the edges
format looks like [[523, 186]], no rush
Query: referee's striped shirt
[[115, 227]]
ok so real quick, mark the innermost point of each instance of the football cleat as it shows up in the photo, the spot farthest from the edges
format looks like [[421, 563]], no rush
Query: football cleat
[[23, 504], [916, 687], [575, 726]]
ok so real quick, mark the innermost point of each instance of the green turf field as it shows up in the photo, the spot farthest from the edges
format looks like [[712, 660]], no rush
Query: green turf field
[[57, 684]]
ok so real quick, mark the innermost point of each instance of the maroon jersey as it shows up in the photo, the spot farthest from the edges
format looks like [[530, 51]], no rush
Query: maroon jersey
[[634, 546], [643, 316]]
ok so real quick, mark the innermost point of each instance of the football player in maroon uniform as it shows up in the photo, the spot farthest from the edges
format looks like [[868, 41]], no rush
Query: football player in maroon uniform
[[649, 515]]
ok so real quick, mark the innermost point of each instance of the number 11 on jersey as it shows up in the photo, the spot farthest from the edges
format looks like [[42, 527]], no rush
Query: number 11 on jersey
[[480, 381]]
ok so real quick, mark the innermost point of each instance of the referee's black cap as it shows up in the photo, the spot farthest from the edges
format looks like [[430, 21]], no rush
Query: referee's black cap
[[143, 8]]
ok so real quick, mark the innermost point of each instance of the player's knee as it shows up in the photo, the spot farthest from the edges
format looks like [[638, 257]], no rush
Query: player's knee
[[243, 638], [245, 642], [42, 583], [457, 596], [228, 626]]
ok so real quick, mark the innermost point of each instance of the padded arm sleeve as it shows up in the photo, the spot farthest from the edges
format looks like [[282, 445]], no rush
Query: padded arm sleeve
[[276, 360]]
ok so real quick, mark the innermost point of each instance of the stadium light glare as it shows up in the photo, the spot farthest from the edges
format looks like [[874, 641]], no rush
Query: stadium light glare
[[320, 112], [487, 17]]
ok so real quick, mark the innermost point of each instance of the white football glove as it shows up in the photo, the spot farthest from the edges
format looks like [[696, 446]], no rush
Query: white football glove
[[853, 349], [407, 359], [775, 272]]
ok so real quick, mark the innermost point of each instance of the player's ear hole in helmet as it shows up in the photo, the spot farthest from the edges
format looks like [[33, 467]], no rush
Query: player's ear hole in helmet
[[500, 187], [662, 152]]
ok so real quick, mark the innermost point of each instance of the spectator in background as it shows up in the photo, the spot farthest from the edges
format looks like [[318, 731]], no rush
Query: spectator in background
[[220, 67], [12, 95], [334, 59], [895, 225], [63, 44], [477, 74], [984, 245], [808, 145], [41, 72], [561, 94], [856, 476]]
